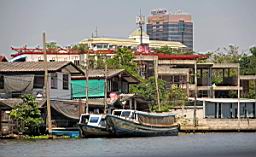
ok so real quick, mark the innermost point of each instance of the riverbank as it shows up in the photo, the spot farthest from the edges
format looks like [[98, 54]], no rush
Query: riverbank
[[40, 137]]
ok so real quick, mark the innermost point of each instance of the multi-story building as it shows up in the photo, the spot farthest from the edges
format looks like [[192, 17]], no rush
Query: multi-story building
[[132, 42], [162, 25]]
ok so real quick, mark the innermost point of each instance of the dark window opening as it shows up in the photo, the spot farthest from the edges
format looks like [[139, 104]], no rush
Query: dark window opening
[[1, 82], [54, 81], [65, 81], [38, 82]]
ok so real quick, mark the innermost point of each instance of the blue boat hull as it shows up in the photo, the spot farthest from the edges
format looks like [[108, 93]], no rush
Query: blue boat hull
[[66, 132], [125, 128]]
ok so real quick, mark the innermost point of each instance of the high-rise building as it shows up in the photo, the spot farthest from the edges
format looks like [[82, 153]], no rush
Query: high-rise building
[[178, 26]]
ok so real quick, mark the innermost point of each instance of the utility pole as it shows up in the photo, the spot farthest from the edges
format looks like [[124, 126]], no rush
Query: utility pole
[[156, 81], [87, 82], [105, 84], [46, 87], [194, 117]]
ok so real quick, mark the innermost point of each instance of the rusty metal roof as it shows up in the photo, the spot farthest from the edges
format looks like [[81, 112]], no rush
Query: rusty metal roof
[[37, 67], [100, 73]]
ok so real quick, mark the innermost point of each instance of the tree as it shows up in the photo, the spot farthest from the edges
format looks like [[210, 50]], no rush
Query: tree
[[27, 115], [169, 50], [248, 67], [147, 89], [81, 48], [231, 54], [248, 63], [178, 96], [52, 47], [123, 59]]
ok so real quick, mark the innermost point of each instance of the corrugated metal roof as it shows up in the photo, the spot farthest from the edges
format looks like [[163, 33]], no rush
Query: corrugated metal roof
[[99, 73], [94, 73], [30, 66]]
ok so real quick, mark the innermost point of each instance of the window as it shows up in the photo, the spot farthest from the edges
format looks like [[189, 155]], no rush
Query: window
[[39, 81], [65, 81], [54, 81], [125, 114], [94, 119], [76, 62], [40, 59], [1, 82]]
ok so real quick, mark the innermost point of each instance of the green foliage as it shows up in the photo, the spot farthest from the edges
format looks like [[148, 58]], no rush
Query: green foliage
[[248, 63], [147, 89], [124, 60], [178, 96], [27, 115], [253, 51], [169, 50], [52, 46], [165, 107], [80, 47], [231, 54], [252, 92]]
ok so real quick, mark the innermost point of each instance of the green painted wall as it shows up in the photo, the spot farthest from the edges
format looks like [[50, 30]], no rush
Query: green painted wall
[[96, 88]]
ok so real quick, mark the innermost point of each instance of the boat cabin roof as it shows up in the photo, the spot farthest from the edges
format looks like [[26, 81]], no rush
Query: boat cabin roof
[[143, 113], [91, 119]]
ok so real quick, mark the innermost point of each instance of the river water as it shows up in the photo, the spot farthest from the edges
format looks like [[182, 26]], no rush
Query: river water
[[184, 145]]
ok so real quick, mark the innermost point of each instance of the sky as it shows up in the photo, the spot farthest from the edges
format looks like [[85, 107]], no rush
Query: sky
[[217, 23]]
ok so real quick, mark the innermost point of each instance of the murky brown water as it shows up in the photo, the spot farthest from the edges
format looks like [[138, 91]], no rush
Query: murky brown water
[[190, 145]]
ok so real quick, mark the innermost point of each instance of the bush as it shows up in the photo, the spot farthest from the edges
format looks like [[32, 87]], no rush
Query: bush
[[27, 115]]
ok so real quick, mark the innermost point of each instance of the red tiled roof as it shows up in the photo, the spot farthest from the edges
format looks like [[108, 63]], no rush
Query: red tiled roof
[[162, 56]]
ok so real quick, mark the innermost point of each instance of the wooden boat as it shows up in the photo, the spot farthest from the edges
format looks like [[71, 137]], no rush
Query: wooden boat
[[123, 123], [93, 125], [71, 132]]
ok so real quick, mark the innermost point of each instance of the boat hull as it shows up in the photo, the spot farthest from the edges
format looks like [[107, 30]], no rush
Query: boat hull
[[125, 128], [93, 131]]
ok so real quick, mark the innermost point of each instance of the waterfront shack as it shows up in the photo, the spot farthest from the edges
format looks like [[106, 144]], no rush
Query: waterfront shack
[[118, 84], [20, 78]]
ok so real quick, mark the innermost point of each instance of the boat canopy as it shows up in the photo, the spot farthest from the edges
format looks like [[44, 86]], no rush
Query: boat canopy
[[156, 120], [150, 119]]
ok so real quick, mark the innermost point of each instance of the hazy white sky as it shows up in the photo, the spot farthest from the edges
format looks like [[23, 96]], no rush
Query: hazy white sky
[[217, 23]]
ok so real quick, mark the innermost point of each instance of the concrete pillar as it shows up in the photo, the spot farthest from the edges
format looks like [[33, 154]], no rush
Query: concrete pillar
[[209, 92], [187, 84], [130, 103], [204, 109], [135, 104], [217, 108]]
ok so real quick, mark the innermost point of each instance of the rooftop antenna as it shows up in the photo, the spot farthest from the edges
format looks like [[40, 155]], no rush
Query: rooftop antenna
[[140, 20], [96, 32]]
